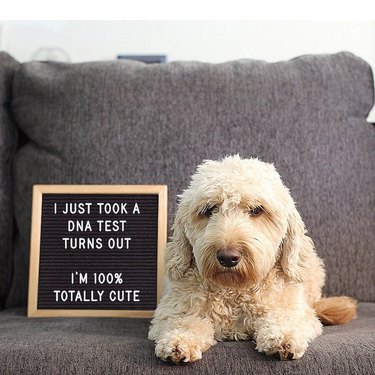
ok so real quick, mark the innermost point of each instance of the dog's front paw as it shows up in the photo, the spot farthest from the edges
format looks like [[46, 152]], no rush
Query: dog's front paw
[[178, 349], [287, 346]]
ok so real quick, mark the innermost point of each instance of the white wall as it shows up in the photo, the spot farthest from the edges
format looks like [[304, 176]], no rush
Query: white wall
[[212, 41]]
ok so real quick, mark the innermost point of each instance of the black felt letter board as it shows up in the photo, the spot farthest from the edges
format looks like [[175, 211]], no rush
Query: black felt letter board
[[98, 251]]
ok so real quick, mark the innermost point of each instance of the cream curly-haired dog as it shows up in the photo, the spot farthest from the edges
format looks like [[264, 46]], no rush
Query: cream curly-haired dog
[[241, 267]]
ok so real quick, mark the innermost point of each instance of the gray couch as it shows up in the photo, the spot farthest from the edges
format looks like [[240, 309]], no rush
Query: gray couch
[[130, 123]]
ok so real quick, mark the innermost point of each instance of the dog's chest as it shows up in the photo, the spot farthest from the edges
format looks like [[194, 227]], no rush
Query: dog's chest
[[231, 315]]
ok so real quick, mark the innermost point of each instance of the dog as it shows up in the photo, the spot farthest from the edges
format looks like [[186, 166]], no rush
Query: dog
[[241, 267]]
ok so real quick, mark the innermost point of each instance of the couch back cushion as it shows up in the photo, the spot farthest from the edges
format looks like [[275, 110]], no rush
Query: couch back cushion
[[130, 123], [8, 140]]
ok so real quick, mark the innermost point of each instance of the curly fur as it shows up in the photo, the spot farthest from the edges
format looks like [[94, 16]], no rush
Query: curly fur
[[272, 295]]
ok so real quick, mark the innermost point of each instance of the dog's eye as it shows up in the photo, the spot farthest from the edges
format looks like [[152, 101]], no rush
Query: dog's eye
[[208, 211], [256, 211]]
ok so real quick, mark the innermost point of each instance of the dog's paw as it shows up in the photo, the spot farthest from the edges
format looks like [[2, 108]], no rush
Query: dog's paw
[[286, 346], [178, 349], [288, 350]]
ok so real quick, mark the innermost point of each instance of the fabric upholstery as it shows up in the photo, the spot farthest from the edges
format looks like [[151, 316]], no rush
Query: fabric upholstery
[[131, 123], [120, 346], [8, 141]]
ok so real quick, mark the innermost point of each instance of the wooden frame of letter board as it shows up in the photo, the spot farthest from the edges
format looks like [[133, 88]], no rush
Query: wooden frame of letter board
[[38, 191]]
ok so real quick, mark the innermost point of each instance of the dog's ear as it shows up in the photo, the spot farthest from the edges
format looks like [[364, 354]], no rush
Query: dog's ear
[[296, 248], [178, 255]]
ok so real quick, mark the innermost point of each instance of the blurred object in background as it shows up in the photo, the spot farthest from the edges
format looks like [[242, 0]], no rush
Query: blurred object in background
[[148, 59], [50, 54]]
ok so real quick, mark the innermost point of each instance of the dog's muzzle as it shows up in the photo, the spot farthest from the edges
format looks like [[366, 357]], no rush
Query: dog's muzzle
[[228, 257]]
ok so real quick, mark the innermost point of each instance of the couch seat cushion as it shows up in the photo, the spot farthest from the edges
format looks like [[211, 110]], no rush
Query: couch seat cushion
[[120, 346]]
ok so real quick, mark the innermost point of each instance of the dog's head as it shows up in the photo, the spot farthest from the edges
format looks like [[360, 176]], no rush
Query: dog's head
[[235, 222]]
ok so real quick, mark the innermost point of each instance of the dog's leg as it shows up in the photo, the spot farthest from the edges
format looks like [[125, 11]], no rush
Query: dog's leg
[[286, 330], [182, 339]]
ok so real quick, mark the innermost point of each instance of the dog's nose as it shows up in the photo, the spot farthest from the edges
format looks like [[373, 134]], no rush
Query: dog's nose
[[228, 257]]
